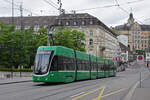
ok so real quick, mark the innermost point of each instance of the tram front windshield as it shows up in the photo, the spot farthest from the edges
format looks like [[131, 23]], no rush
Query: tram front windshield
[[42, 62]]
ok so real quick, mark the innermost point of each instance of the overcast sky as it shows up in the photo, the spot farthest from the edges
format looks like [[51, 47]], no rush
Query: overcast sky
[[111, 16]]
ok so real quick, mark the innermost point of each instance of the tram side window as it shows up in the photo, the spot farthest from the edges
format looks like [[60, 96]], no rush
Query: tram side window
[[112, 67], [83, 65], [54, 65], [94, 66], [107, 67], [100, 66], [68, 63], [87, 65], [62, 63]]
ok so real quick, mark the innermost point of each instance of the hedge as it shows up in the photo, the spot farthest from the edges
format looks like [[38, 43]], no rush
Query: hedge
[[15, 70]]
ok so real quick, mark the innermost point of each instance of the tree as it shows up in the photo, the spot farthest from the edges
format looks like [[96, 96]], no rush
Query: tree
[[115, 31], [64, 37], [5, 43], [31, 41], [70, 38]]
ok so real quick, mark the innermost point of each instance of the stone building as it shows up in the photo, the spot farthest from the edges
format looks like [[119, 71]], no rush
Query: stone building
[[138, 35], [100, 40]]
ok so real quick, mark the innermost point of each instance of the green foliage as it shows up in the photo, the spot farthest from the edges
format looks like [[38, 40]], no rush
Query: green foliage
[[140, 52], [16, 70], [31, 41], [115, 31], [70, 38], [28, 50]]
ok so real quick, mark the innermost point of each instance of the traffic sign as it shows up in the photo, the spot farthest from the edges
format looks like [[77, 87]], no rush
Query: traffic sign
[[140, 57]]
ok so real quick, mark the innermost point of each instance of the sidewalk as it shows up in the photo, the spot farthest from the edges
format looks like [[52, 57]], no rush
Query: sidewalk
[[142, 93], [15, 80]]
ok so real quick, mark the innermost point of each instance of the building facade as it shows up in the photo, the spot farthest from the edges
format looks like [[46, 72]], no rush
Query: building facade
[[100, 40], [138, 35], [123, 39]]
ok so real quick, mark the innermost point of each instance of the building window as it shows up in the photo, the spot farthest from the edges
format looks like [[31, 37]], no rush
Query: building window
[[91, 22], [36, 28], [67, 23], [59, 22], [91, 33], [83, 22], [27, 27], [18, 27], [74, 23], [91, 52], [45, 26], [91, 42], [82, 31]]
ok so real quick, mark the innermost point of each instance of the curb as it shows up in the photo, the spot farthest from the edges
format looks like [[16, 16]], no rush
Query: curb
[[15, 82], [132, 90]]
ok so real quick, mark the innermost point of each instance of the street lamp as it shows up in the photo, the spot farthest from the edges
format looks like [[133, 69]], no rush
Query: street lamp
[[50, 34]]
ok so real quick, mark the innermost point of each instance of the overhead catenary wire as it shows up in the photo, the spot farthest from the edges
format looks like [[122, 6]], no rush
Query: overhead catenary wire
[[108, 6], [18, 7], [117, 3], [51, 4]]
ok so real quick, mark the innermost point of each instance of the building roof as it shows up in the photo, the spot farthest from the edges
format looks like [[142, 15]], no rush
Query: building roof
[[83, 17], [145, 27], [53, 20], [75, 15], [123, 47], [30, 20], [123, 27]]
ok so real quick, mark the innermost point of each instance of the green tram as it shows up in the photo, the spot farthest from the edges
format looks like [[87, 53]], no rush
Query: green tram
[[61, 64]]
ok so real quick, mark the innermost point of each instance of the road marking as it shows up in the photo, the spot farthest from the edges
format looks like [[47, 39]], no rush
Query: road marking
[[100, 95], [115, 92], [90, 92], [77, 94], [131, 91], [129, 95]]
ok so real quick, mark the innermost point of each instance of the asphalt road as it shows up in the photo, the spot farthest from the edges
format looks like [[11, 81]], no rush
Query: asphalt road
[[113, 88]]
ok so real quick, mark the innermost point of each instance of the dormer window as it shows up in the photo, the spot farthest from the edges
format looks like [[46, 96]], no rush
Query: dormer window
[[83, 22], [59, 22], [36, 28], [91, 22], [74, 23], [67, 23]]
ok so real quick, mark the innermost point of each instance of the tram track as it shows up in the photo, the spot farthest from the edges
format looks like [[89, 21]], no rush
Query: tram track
[[95, 84], [41, 86], [67, 90]]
